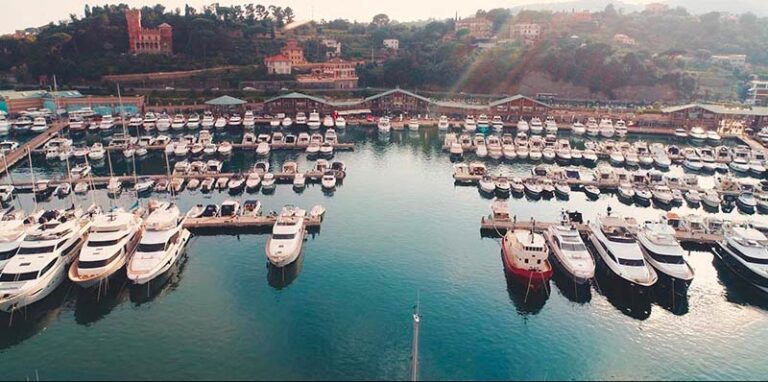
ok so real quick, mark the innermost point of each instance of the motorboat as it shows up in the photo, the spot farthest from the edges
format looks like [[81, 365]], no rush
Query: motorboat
[[211, 210], [161, 246], [42, 189], [482, 122], [331, 136], [79, 171], [606, 128], [525, 255], [6, 193], [522, 126], [593, 128], [112, 239], [340, 122], [711, 199], [178, 122], [503, 187], [45, 249], [494, 148], [235, 120], [284, 245], [443, 123], [268, 182], [469, 124], [252, 182], [328, 181], [626, 191], [620, 128], [569, 253], [713, 137], [150, 121], [114, 186], [287, 122], [230, 208], [550, 126], [487, 184], [384, 124], [744, 251], [39, 124], [497, 123], [193, 184], [143, 185], [697, 134], [592, 192], [251, 208], [662, 194], [413, 124], [615, 242], [578, 128], [107, 123], [562, 189], [664, 253], [163, 123], [207, 185], [222, 182], [693, 162], [532, 188], [693, 197], [681, 133], [193, 123], [313, 123], [220, 123], [22, 124], [8, 146], [236, 184], [536, 127], [301, 118], [225, 148], [746, 201], [589, 157]]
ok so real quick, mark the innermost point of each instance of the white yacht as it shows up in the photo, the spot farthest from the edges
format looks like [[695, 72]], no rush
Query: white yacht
[[40, 264], [482, 122], [606, 128], [413, 124], [112, 239], [178, 122], [497, 123], [443, 123], [569, 252], [745, 252], [39, 125], [578, 128], [615, 243], [313, 122], [697, 134], [664, 253], [150, 121], [593, 129], [469, 124], [662, 194], [522, 126], [235, 120], [284, 246], [550, 126], [193, 122], [384, 125], [301, 118], [328, 121], [107, 122], [536, 126], [207, 121], [621, 128], [160, 247], [163, 123]]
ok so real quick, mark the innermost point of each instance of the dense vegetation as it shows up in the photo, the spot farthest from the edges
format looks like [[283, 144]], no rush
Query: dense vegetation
[[673, 48]]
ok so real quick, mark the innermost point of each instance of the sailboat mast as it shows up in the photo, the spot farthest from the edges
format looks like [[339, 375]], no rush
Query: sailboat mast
[[168, 171], [32, 171], [71, 184], [415, 345], [122, 110]]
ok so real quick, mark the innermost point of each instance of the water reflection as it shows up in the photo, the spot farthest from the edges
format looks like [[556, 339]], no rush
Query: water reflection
[[161, 285], [736, 289], [671, 297], [26, 323], [628, 300], [527, 301], [570, 289], [280, 278], [93, 305]]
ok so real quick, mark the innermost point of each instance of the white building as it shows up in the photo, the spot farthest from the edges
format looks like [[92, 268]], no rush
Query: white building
[[391, 43], [333, 46]]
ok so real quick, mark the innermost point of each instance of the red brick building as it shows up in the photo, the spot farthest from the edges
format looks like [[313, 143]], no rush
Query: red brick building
[[147, 40], [294, 52]]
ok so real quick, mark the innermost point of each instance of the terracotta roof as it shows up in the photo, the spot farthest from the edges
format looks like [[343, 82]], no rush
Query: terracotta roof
[[277, 58]]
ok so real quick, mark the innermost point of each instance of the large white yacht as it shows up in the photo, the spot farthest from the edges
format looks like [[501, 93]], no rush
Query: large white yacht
[[284, 246], [107, 122], [615, 243], [113, 238], [536, 126], [664, 253], [160, 247], [745, 252], [40, 264], [207, 121], [178, 122], [569, 252], [469, 124], [384, 125]]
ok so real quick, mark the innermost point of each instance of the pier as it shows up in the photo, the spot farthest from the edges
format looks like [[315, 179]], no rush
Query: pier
[[495, 227], [255, 224], [13, 157]]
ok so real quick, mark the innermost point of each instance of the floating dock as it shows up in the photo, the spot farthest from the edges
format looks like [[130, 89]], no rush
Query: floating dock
[[495, 227], [11, 158], [252, 224]]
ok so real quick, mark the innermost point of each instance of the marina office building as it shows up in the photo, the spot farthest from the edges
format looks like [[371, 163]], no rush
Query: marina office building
[[13, 102]]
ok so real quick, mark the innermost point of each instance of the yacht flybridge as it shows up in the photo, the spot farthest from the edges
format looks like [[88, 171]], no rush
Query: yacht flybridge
[[40, 264], [664, 253], [285, 244], [112, 240]]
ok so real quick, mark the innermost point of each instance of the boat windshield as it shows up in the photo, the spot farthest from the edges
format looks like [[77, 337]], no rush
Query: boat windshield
[[284, 236], [9, 277], [34, 250], [104, 243], [575, 247], [631, 262], [156, 247]]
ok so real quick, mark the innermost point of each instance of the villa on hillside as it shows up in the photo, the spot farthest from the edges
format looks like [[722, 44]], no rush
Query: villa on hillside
[[147, 40]]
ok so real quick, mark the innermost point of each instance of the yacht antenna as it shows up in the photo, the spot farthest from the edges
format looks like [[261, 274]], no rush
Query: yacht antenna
[[415, 345]]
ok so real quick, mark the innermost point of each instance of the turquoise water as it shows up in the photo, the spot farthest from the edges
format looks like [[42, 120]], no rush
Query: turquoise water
[[397, 227]]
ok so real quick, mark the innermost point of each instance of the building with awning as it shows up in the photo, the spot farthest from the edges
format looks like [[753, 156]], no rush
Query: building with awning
[[14, 102]]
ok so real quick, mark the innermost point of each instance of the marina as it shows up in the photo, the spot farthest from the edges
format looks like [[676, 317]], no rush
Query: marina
[[225, 274]]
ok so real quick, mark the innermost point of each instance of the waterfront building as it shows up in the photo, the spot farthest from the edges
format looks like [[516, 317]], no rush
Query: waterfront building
[[333, 74], [14, 102], [147, 40]]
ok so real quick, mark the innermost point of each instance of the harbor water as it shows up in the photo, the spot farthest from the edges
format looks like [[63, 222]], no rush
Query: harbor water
[[398, 227]]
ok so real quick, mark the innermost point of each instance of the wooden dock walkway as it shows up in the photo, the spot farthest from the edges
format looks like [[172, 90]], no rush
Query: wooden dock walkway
[[500, 227], [33, 144], [256, 224], [237, 146]]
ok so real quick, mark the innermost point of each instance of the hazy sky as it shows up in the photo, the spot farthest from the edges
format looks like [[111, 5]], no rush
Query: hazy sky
[[19, 14]]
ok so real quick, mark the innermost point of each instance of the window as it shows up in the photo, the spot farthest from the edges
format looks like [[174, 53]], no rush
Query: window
[[573, 247], [285, 236], [667, 259], [749, 259], [632, 263], [34, 250], [156, 247], [98, 263], [49, 266], [71, 247], [5, 277], [5, 255], [104, 243]]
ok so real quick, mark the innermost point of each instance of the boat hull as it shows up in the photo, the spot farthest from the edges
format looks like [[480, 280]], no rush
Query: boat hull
[[531, 279], [740, 269]]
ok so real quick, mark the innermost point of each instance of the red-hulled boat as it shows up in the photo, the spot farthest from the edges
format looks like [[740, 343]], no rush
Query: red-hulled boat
[[525, 255]]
